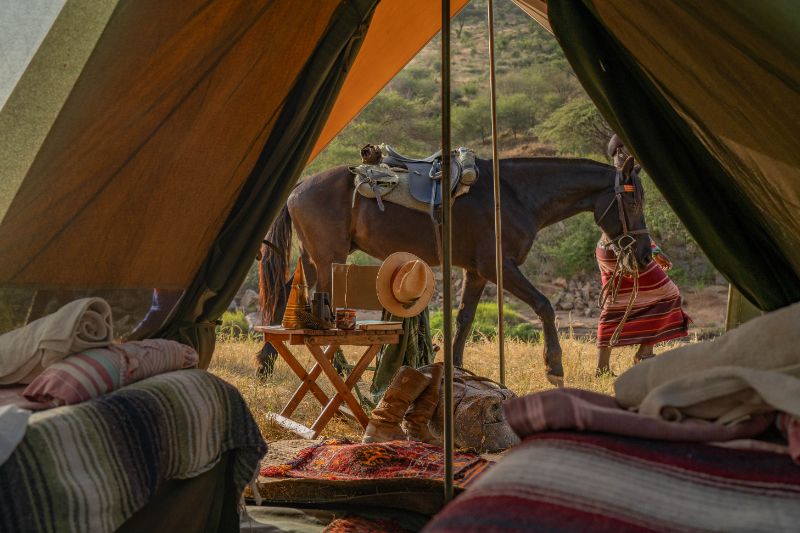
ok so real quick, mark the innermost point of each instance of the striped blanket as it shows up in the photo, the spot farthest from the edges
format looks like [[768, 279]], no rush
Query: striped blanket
[[90, 467], [592, 482], [656, 315]]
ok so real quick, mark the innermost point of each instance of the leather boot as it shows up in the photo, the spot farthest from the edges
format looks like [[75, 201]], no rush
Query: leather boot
[[418, 415], [384, 422]]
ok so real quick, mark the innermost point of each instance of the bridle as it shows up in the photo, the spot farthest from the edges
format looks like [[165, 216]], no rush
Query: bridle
[[619, 190], [624, 247]]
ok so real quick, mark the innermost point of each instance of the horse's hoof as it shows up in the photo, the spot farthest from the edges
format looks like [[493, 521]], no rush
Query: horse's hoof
[[554, 370], [264, 372]]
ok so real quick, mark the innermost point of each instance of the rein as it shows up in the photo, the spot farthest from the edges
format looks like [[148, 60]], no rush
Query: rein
[[624, 247]]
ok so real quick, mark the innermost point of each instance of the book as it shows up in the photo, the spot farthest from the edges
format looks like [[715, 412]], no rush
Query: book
[[378, 325]]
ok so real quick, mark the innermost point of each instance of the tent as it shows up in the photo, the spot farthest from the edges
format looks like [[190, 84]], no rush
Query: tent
[[158, 146], [150, 144]]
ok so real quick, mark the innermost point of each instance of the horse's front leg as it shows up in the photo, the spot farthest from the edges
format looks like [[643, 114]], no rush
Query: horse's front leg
[[471, 290], [520, 287]]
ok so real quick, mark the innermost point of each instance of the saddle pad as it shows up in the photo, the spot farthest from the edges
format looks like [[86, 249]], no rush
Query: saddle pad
[[401, 195]]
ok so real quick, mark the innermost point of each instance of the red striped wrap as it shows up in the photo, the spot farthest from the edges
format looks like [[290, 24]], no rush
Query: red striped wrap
[[656, 315]]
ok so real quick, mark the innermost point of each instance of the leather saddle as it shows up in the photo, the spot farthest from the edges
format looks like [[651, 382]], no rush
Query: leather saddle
[[424, 175]]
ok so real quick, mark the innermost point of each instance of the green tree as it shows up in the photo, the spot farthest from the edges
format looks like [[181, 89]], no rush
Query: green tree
[[576, 128], [473, 121], [516, 112]]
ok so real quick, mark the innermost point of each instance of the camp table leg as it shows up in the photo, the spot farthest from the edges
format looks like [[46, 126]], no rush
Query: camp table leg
[[342, 391], [298, 369], [302, 390], [352, 380]]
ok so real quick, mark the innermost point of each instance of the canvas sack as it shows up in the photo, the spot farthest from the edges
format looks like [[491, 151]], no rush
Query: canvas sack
[[479, 420]]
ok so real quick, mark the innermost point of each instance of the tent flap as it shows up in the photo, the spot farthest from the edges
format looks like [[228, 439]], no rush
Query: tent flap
[[155, 141], [279, 164], [705, 94]]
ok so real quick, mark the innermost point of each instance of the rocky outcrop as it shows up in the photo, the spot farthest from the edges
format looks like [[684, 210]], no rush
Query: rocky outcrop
[[578, 295]]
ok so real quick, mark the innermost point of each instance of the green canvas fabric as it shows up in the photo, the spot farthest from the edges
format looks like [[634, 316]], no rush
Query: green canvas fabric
[[270, 182], [741, 210], [415, 349]]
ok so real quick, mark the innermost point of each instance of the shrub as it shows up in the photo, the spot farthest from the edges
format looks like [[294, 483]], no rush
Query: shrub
[[570, 245], [361, 258], [484, 326], [234, 325], [524, 332]]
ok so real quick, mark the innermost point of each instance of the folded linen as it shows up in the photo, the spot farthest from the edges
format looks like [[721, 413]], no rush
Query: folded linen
[[79, 325], [581, 410], [725, 394]]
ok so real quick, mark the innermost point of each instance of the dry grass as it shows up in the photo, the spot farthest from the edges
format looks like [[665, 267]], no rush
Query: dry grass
[[234, 362]]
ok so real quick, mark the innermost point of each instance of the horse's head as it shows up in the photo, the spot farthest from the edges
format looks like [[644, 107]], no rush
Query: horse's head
[[619, 211]]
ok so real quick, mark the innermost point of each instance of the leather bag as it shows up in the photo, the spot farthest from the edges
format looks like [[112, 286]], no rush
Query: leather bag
[[478, 407]]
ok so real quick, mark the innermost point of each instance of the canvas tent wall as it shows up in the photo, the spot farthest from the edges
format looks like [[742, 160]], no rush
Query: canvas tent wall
[[708, 96], [173, 133]]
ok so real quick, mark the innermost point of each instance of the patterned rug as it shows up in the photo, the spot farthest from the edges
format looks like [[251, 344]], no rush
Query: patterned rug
[[360, 524], [342, 460]]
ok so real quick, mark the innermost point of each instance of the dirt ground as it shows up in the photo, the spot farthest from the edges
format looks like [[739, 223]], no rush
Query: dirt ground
[[706, 306]]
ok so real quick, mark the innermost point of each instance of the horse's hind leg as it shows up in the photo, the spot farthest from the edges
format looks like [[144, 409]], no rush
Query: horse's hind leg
[[471, 290], [520, 287], [267, 355]]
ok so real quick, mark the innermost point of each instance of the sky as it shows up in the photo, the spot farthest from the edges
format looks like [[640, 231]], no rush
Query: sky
[[23, 25]]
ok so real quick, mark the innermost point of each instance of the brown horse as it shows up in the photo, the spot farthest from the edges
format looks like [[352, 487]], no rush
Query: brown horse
[[536, 192]]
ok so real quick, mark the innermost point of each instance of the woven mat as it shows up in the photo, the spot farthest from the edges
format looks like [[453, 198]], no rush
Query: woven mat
[[283, 451], [422, 493]]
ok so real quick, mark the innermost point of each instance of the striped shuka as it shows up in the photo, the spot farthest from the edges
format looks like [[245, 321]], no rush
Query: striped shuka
[[656, 315], [592, 482], [91, 466]]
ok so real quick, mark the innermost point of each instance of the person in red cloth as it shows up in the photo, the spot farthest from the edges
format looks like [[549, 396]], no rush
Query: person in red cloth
[[655, 314]]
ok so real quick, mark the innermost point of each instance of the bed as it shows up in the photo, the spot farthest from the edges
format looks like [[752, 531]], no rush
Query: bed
[[571, 481], [172, 452]]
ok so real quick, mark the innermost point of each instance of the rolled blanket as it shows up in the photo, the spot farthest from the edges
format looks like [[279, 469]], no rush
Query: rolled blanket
[[581, 410], [97, 371], [77, 326]]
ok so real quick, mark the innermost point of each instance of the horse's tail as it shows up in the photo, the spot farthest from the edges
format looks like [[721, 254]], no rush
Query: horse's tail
[[274, 269]]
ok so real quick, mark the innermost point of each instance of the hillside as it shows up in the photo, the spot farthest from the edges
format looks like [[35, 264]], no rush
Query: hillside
[[542, 110]]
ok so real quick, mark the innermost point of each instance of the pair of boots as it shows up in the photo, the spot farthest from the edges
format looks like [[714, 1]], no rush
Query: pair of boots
[[411, 398]]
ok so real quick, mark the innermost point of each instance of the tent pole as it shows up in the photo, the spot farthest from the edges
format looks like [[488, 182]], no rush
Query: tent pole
[[498, 233], [447, 307]]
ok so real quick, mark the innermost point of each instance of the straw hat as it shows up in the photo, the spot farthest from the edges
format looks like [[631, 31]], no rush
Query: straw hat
[[404, 284]]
